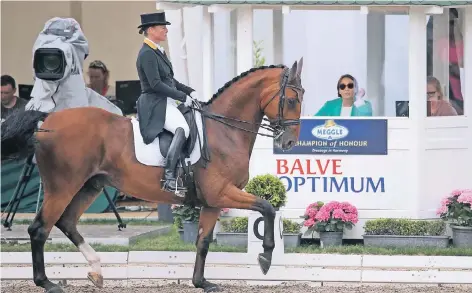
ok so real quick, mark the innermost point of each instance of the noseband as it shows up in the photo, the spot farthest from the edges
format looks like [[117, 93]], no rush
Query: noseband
[[278, 125]]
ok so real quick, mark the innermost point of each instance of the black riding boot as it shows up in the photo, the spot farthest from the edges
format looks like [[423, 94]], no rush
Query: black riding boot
[[172, 159]]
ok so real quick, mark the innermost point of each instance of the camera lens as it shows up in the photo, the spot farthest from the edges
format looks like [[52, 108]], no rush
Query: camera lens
[[51, 62]]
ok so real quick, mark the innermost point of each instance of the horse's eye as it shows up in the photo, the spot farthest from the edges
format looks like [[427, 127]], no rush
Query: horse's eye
[[292, 102]]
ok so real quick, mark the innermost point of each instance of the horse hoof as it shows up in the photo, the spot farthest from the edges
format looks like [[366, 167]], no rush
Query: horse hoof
[[55, 289], [96, 279], [265, 261], [210, 287]]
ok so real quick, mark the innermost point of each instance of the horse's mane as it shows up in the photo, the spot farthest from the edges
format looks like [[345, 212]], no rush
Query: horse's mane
[[235, 79]]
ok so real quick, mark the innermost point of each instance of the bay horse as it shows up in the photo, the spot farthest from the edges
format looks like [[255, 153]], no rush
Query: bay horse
[[78, 151]]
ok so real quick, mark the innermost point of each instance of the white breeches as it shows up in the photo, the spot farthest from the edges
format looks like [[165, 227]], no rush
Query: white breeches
[[175, 119]]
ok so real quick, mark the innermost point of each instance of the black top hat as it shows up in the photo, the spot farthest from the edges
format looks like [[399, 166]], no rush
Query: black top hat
[[150, 19]]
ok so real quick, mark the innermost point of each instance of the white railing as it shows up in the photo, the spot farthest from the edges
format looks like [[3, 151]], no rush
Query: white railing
[[243, 266]]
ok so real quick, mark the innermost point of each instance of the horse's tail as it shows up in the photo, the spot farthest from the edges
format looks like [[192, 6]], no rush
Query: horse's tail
[[18, 134]]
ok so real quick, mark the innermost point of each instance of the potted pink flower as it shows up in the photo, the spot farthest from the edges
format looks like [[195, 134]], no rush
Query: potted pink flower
[[456, 208], [329, 220]]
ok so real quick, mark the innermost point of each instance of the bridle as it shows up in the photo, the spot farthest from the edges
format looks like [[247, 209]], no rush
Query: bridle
[[278, 125]]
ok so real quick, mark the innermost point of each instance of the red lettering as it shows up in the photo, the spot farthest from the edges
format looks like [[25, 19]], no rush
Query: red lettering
[[281, 163], [297, 165], [311, 167], [322, 170], [336, 165], [308, 168]]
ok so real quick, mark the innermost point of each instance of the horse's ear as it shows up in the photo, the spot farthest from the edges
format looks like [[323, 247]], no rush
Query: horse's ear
[[293, 72], [299, 67]]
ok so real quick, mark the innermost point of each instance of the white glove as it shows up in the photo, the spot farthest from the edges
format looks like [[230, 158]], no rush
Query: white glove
[[188, 101], [194, 95]]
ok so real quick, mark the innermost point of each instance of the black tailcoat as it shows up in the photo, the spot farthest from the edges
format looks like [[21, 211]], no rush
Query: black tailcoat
[[157, 83]]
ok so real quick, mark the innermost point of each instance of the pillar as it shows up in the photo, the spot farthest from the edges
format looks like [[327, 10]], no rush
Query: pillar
[[176, 42], [375, 91], [417, 101], [244, 40], [193, 19], [467, 90], [278, 38], [207, 55]]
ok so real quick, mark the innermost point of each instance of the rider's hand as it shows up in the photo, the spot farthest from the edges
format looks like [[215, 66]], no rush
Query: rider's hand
[[189, 101], [194, 95]]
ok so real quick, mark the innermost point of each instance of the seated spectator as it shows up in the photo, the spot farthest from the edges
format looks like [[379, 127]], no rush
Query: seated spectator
[[10, 102], [348, 102], [98, 78], [439, 106]]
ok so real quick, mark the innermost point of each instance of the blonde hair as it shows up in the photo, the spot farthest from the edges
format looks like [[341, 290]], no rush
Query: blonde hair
[[434, 81]]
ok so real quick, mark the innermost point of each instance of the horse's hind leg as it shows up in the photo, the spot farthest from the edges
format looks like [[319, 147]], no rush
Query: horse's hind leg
[[53, 206], [68, 225], [208, 218]]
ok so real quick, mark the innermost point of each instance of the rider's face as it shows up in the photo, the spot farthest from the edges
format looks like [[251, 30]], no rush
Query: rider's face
[[159, 33]]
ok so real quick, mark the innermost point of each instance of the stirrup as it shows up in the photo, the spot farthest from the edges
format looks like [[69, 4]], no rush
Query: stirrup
[[176, 189]]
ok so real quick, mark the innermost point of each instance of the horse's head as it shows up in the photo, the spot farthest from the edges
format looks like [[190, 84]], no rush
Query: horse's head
[[283, 106]]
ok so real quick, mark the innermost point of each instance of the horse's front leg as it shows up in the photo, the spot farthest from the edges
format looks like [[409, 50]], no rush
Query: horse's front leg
[[233, 197], [208, 218]]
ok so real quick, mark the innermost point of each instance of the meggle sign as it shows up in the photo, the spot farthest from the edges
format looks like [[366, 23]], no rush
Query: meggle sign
[[340, 137], [325, 176]]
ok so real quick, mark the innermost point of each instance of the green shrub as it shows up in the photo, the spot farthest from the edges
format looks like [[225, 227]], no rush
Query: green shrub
[[234, 225], [268, 187], [291, 227], [185, 213], [178, 222], [405, 227]]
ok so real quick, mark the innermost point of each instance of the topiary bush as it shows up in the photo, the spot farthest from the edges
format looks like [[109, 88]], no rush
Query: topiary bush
[[291, 227], [268, 187], [405, 227], [234, 225]]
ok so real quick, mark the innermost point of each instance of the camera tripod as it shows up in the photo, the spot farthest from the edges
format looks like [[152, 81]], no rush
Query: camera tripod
[[18, 195]]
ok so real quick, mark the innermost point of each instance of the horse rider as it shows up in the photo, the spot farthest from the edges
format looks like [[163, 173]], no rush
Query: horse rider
[[160, 91]]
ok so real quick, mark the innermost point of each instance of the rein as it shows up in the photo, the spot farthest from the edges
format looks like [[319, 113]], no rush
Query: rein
[[277, 127]]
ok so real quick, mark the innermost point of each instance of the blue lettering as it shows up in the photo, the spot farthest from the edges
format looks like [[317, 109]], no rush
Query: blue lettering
[[313, 183], [299, 181], [338, 188], [371, 184], [353, 184], [289, 182], [325, 184], [335, 184]]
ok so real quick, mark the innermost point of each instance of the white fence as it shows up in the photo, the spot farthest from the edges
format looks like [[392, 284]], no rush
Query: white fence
[[243, 266]]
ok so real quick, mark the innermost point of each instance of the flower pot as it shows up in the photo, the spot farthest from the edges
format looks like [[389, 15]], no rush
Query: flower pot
[[331, 239], [164, 213], [406, 241], [231, 239], [181, 234], [292, 240], [461, 236], [190, 231]]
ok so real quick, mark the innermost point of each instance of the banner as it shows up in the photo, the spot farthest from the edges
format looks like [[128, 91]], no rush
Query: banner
[[340, 137]]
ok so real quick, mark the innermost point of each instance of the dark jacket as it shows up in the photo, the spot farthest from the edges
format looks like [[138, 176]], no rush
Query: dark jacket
[[157, 83]]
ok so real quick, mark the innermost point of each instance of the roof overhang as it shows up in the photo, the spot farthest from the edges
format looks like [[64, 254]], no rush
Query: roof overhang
[[364, 9]]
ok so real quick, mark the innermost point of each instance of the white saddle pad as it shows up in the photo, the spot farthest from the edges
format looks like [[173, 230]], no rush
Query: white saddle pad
[[150, 154]]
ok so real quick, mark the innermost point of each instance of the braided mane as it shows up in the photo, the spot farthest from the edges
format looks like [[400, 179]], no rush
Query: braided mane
[[237, 78]]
